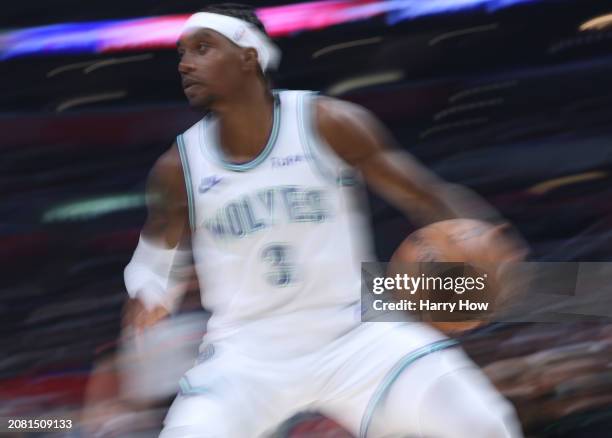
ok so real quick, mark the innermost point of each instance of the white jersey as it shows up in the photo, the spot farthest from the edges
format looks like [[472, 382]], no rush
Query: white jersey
[[277, 241]]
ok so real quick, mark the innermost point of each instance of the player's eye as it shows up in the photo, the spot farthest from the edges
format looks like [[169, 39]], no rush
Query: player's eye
[[203, 47], [180, 54]]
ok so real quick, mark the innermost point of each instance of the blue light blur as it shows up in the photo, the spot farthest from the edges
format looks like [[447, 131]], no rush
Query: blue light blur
[[162, 32], [411, 9]]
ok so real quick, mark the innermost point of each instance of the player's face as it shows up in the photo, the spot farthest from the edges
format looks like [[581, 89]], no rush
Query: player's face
[[209, 65]]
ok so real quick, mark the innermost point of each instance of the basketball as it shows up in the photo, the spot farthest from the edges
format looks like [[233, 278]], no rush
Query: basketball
[[483, 246]]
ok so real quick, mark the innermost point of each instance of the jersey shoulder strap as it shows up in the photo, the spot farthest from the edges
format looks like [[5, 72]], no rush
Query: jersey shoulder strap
[[188, 144]]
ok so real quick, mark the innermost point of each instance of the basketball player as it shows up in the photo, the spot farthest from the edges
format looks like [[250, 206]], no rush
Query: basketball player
[[262, 192]]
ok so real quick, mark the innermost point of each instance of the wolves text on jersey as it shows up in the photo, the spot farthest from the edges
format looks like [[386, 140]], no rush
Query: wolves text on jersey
[[266, 207]]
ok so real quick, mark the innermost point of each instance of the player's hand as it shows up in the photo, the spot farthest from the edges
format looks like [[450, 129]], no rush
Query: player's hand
[[489, 246], [494, 249], [138, 317], [507, 250]]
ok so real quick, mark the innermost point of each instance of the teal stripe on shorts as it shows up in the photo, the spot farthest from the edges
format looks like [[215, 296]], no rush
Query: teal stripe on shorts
[[392, 376]]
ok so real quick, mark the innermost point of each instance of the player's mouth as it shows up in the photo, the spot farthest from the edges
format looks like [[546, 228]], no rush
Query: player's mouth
[[188, 84]]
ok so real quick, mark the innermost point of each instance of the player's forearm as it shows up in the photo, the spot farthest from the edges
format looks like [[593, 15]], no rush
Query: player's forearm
[[156, 274], [419, 193], [428, 199], [460, 202]]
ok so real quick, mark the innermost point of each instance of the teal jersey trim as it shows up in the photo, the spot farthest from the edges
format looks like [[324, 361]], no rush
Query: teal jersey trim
[[187, 389], [308, 134], [215, 152], [392, 376], [188, 183]]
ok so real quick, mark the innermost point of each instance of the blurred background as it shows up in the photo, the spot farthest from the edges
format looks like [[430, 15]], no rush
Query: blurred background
[[512, 98]]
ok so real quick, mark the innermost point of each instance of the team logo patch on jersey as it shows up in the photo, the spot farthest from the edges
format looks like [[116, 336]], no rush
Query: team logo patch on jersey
[[288, 160], [208, 183]]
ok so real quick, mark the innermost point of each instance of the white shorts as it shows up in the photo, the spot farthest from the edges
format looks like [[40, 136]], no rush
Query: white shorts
[[373, 381]]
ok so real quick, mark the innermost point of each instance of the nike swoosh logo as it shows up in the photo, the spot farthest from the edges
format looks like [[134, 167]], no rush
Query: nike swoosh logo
[[208, 183]]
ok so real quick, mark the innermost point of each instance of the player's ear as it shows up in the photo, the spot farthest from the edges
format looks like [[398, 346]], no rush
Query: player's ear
[[250, 59]]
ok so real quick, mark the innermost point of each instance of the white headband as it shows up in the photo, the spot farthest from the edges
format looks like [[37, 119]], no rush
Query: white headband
[[240, 33]]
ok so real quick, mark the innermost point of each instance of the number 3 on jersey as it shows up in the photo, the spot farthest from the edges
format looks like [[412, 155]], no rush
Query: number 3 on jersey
[[280, 268]]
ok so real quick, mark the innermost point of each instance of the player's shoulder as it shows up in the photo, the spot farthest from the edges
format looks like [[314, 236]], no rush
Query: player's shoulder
[[168, 170], [169, 161], [337, 115], [345, 126]]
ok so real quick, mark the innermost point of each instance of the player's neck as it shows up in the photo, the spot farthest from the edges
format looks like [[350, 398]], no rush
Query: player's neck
[[245, 124]]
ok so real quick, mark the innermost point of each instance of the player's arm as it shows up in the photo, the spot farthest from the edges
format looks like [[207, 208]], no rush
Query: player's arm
[[363, 142], [153, 277], [168, 214]]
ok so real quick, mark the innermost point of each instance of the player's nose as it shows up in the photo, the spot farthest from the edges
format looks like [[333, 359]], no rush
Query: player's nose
[[185, 66]]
